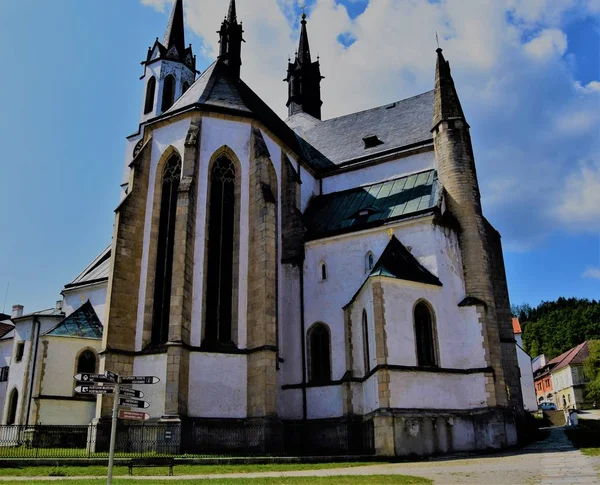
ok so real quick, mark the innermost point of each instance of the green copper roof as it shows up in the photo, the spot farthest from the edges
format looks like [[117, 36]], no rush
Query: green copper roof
[[373, 205], [397, 262], [83, 323]]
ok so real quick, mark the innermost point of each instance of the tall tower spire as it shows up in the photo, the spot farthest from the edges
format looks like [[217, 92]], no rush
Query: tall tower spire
[[175, 34], [304, 79], [230, 38], [481, 253], [446, 103]]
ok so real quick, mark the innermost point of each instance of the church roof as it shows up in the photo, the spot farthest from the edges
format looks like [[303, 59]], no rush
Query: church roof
[[372, 205], [400, 125], [218, 90], [83, 323], [95, 272], [397, 262]]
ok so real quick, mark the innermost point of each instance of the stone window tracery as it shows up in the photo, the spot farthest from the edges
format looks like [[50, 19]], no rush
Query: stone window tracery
[[220, 257], [165, 247]]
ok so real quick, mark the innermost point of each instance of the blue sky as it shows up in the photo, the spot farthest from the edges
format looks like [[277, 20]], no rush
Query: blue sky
[[527, 72]]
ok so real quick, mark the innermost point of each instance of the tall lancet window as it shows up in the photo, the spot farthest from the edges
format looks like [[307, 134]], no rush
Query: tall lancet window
[[219, 286], [164, 250], [425, 336], [149, 105], [168, 93]]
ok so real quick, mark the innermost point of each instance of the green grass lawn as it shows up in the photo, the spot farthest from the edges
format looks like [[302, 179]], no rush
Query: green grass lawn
[[178, 470], [340, 480], [586, 437]]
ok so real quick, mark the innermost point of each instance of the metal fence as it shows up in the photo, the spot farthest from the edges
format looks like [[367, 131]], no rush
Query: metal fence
[[192, 439]]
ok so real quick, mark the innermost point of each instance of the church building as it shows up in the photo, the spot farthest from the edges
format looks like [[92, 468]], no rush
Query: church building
[[307, 274]]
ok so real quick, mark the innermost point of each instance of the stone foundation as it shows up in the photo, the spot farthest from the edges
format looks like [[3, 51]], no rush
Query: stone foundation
[[407, 432]]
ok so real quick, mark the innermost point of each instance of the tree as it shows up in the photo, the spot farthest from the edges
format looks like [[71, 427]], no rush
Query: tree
[[553, 327], [591, 367]]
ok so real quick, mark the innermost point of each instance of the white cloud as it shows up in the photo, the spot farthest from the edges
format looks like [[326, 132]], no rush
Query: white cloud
[[592, 272], [591, 87], [531, 121], [159, 5], [549, 44], [579, 202]]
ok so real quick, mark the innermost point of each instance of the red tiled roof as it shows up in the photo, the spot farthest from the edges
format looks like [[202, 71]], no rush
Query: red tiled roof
[[576, 355], [516, 325]]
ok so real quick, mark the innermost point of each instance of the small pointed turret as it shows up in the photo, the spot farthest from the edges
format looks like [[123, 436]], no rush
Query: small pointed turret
[[164, 82], [304, 79], [175, 34], [446, 103], [230, 38]]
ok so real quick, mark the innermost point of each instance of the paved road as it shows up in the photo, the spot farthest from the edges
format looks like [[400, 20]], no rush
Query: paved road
[[553, 461]]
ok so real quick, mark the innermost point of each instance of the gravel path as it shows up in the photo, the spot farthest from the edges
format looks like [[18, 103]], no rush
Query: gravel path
[[553, 461]]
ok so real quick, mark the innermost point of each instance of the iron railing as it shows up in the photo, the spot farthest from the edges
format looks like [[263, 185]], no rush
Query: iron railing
[[192, 439]]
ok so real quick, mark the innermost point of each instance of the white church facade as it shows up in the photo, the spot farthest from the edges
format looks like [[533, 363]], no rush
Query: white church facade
[[278, 274]]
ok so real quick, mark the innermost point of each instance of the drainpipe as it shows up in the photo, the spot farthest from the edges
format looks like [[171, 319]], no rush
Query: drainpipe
[[37, 324], [302, 340]]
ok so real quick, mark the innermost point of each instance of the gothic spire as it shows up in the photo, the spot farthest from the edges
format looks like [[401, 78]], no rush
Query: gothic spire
[[175, 36], [230, 38], [304, 80], [303, 47], [232, 14], [446, 103]]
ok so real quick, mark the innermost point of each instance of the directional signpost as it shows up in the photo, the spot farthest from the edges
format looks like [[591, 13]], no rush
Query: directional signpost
[[113, 386], [133, 415], [133, 403]]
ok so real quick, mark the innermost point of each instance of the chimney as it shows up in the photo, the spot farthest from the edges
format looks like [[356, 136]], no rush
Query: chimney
[[17, 311], [59, 306]]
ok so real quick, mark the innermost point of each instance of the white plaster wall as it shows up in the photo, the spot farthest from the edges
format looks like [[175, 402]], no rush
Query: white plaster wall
[[527, 384], [562, 379], [215, 134], [170, 135], [152, 365], [217, 385], [73, 299], [54, 412], [324, 402], [60, 365], [459, 332], [378, 173], [425, 390], [370, 394]]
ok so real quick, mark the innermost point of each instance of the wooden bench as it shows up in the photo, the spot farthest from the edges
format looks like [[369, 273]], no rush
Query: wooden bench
[[150, 463]]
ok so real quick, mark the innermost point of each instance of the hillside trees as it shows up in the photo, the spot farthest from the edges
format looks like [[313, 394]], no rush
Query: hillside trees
[[554, 327]]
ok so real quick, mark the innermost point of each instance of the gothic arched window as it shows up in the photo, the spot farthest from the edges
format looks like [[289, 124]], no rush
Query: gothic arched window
[[168, 97], [12, 407], [365, 332], [86, 362], [150, 90], [220, 257], [319, 353], [186, 86], [323, 271], [164, 251], [425, 336]]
